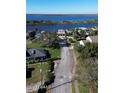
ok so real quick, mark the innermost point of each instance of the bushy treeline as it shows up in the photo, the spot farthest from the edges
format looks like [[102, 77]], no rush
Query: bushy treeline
[[48, 22], [48, 39], [88, 66], [50, 75], [89, 51]]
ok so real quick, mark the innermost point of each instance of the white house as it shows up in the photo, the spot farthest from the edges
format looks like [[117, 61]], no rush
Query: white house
[[61, 33], [81, 43]]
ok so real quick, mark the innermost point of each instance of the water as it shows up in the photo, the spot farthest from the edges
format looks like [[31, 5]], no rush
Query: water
[[56, 27], [61, 18]]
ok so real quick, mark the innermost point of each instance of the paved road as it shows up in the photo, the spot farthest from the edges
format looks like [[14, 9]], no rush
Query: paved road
[[76, 86], [63, 73]]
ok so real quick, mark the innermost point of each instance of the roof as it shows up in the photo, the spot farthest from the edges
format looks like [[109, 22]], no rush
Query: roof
[[27, 54], [81, 43], [34, 53], [83, 28], [61, 31]]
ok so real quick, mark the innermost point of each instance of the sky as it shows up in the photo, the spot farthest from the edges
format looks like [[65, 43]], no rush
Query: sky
[[61, 6]]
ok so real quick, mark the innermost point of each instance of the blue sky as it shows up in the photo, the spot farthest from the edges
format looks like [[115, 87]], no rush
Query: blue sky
[[61, 6]]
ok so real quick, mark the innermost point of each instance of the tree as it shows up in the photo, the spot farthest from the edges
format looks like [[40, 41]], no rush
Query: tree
[[32, 34], [88, 66], [90, 50]]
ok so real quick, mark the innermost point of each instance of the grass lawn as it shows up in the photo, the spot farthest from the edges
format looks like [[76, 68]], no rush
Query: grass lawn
[[37, 44], [54, 52], [36, 76], [34, 92], [82, 89], [79, 69], [73, 87]]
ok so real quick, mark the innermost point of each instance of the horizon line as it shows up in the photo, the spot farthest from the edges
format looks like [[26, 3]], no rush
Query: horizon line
[[62, 14]]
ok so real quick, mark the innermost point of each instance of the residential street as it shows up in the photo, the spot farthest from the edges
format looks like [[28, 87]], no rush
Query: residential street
[[63, 73]]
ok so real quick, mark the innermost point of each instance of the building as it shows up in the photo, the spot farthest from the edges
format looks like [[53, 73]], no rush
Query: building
[[81, 43], [82, 28], [61, 34], [36, 54]]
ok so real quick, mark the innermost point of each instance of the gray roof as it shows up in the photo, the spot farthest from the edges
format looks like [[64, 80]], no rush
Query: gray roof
[[34, 53], [61, 31]]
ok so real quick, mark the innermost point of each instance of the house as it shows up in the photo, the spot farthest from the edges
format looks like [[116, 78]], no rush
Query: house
[[38, 35], [82, 28], [61, 34], [36, 54], [81, 43]]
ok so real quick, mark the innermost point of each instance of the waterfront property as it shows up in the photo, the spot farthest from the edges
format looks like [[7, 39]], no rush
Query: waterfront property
[[81, 28], [61, 34]]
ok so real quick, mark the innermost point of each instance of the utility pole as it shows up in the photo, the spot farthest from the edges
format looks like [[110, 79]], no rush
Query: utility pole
[[41, 75]]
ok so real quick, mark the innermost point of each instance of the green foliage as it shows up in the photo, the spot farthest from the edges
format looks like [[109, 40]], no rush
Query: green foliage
[[69, 33], [94, 33], [31, 35], [36, 76], [76, 34], [82, 88], [87, 68], [55, 53], [90, 50], [50, 79], [51, 66], [71, 40], [35, 44], [47, 22], [73, 87], [55, 44]]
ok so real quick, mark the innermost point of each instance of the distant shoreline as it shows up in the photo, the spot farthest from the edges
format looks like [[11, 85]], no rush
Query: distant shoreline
[[62, 14]]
